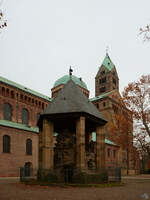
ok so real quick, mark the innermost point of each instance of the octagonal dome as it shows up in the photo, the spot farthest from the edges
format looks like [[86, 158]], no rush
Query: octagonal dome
[[66, 78]]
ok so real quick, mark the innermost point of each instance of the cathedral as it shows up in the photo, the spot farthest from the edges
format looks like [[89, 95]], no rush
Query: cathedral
[[24, 113]]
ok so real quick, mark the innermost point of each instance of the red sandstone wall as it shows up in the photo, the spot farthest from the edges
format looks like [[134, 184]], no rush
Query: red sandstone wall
[[111, 161], [11, 162], [33, 104]]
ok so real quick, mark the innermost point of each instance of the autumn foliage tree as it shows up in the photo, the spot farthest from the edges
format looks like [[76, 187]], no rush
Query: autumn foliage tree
[[136, 97]]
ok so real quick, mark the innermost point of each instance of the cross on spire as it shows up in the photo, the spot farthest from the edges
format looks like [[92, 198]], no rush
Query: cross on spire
[[107, 49]]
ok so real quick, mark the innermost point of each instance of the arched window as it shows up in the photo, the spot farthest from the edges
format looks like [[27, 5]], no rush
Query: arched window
[[12, 94], [6, 144], [25, 116], [7, 111], [21, 96], [29, 147], [3, 91], [7, 92]]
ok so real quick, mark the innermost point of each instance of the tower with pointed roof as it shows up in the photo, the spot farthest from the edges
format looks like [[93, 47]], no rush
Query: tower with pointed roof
[[108, 101], [106, 79]]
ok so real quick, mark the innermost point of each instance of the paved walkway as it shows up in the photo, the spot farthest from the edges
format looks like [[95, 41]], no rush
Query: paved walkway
[[134, 189], [137, 177]]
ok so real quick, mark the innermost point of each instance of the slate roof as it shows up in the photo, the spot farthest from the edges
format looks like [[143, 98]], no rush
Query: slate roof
[[70, 99]]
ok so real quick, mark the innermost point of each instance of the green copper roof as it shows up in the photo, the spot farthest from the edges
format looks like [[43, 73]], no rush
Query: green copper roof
[[106, 140], [100, 96], [19, 126], [66, 78], [109, 142], [11, 83], [108, 63]]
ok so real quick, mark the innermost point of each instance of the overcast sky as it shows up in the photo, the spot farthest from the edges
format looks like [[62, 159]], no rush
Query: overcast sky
[[45, 37]]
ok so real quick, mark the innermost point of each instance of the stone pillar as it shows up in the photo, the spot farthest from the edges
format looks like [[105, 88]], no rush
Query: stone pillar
[[87, 141], [80, 143], [100, 147], [47, 152]]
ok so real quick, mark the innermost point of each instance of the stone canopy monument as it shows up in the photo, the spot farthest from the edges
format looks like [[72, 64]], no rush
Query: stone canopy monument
[[66, 125]]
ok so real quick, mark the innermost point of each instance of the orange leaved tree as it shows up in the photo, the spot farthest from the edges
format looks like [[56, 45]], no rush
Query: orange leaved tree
[[136, 97]]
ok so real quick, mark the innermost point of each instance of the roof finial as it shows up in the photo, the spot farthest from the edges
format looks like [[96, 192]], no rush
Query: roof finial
[[107, 49], [70, 72]]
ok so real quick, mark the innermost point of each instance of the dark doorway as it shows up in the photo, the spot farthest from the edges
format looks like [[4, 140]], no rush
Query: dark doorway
[[68, 173], [27, 169]]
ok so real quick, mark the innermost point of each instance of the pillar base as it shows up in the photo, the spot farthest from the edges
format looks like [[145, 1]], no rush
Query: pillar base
[[83, 177]]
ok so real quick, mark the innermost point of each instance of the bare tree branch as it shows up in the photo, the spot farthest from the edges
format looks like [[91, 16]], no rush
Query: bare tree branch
[[145, 32]]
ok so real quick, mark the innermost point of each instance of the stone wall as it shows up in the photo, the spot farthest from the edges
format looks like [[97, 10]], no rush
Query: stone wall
[[19, 99], [11, 162]]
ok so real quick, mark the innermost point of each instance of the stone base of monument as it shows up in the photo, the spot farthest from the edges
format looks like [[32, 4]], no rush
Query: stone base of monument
[[70, 175]]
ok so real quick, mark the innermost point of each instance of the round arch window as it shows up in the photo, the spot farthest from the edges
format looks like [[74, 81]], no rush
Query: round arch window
[[7, 111], [25, 116]]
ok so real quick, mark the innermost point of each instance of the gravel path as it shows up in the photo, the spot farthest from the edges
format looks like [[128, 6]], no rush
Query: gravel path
[[132, 190]]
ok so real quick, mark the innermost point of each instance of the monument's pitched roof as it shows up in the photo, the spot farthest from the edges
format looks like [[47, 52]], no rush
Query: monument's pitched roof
[[71, 99]]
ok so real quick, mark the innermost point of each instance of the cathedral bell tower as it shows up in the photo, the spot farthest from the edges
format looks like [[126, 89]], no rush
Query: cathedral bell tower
[[106, 79]]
